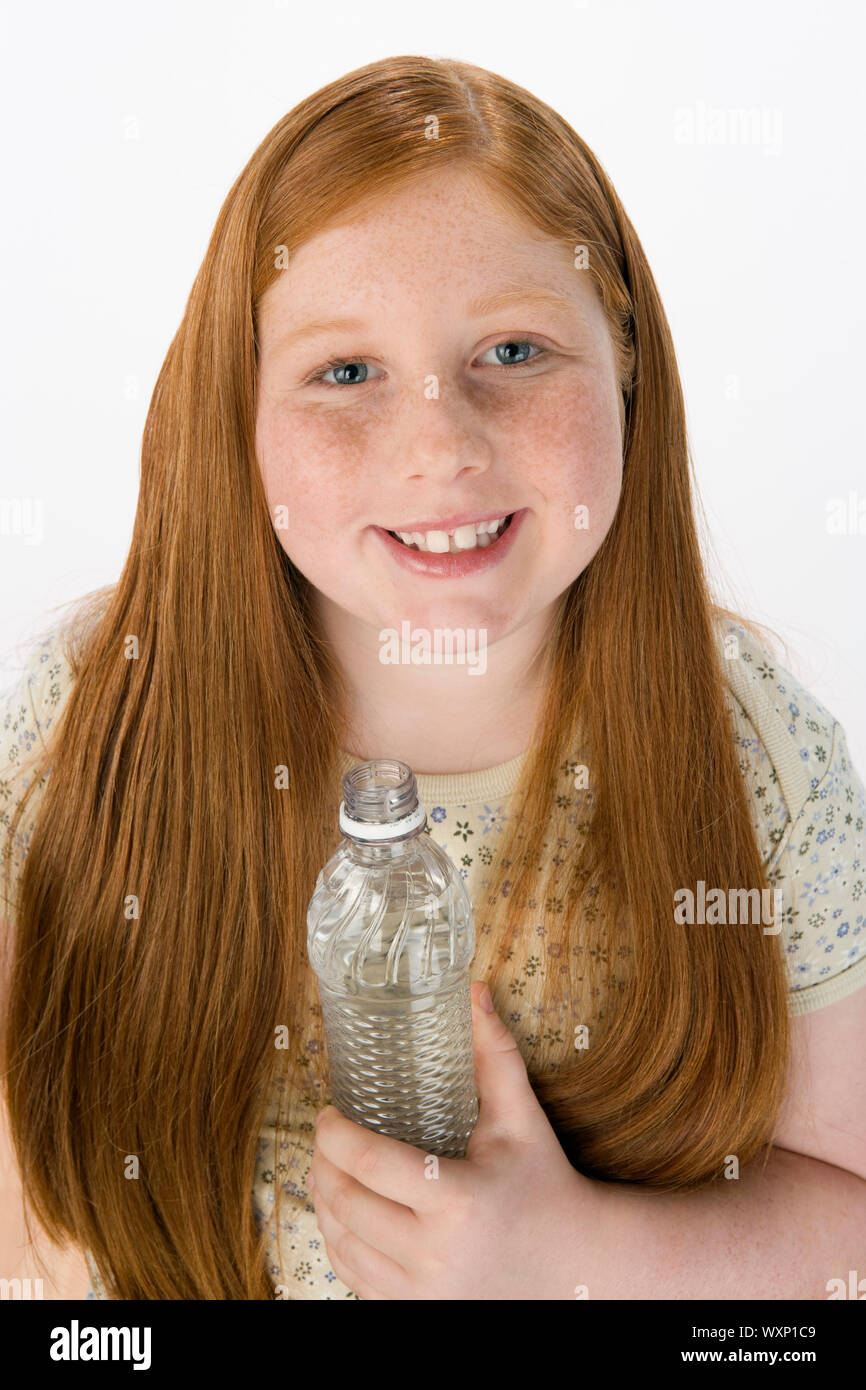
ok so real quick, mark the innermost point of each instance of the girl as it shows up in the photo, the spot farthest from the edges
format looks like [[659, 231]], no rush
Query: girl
[[424, 382]]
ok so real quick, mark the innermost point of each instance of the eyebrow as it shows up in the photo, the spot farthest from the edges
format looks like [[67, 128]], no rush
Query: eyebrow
[[526, 294], [487, 304]]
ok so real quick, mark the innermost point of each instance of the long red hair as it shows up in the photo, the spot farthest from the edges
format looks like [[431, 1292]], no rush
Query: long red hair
[[153, 1034]]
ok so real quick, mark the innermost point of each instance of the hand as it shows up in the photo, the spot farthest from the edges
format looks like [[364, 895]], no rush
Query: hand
[[511, 1220]]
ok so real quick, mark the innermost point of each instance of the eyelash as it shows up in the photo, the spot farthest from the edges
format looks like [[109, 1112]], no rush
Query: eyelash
[[317, 376]]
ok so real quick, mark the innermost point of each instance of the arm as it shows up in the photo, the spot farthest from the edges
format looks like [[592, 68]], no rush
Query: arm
[[781, 1231], [63, 1272], [515, 1219]]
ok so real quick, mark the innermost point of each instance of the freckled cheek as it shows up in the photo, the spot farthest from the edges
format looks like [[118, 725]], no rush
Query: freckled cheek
[[569, 449], [316, 468]]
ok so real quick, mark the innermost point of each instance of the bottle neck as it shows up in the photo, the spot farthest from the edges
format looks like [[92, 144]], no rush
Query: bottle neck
[[380, 802], [382, 851]]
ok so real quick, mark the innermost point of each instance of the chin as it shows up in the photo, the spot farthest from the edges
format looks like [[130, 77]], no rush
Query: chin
[[458, 618]]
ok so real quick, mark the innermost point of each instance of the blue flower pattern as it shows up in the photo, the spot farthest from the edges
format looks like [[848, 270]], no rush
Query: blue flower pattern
[[815, 852]]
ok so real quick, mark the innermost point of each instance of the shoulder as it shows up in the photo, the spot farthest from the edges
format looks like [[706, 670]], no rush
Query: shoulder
[[34, 696], [809, 813], [29, 706]]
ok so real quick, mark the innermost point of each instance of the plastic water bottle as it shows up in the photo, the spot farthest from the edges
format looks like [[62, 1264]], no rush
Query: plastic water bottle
[[390, 936]]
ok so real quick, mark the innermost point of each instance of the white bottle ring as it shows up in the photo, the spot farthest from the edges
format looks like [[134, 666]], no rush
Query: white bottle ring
[[376, 830]]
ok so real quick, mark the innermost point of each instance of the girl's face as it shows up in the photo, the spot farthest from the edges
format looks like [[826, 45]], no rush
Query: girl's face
[[480, 383]]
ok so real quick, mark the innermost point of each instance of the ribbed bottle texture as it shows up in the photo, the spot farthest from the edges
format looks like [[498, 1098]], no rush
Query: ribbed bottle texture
[[391, 938]]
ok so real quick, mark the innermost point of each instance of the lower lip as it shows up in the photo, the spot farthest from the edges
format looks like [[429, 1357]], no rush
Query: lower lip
[[461, 563]]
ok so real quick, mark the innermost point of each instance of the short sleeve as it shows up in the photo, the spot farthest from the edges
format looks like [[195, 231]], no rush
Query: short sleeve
[[27, 711], [96, 1284], [823, 864], [808, 811]]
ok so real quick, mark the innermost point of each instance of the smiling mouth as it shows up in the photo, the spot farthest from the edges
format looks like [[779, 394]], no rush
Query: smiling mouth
[[457, 541]]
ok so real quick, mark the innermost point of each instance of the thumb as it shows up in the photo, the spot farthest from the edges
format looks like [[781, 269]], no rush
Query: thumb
[[507, 1102]]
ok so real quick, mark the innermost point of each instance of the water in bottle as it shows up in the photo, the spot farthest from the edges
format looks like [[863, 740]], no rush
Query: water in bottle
[[390, 936]]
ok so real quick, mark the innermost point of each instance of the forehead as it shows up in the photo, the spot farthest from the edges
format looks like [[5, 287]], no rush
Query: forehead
[[448, 234]]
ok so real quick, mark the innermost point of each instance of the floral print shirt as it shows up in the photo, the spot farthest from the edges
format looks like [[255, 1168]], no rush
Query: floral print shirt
[[808, 811]]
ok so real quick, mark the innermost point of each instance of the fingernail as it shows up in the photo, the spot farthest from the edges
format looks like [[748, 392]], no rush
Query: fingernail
[[311, 1182], [485, 1001]]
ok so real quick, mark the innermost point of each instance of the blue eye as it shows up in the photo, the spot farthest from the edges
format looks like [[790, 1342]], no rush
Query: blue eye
[[340, 364], [358, 368], [510, 344]]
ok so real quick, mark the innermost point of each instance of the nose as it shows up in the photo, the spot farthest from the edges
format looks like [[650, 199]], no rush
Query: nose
[[441, 444]]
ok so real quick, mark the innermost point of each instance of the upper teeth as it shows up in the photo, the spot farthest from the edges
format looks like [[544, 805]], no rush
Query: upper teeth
[[479, 533]]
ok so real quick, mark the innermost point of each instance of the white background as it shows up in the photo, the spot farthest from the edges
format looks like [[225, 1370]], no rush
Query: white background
[[756, 246]]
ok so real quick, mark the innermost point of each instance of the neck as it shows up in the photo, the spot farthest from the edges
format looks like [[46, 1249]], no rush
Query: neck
[[439, 716]]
